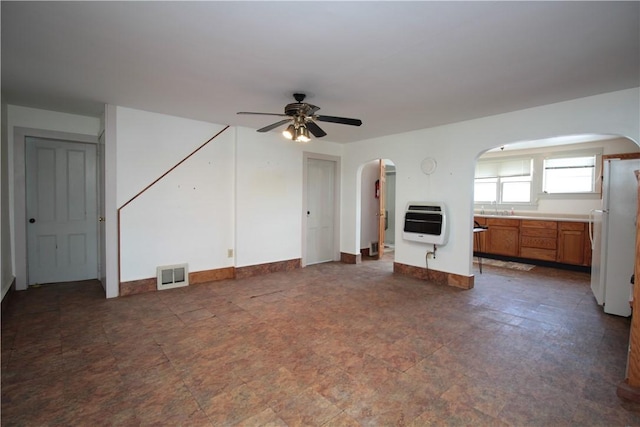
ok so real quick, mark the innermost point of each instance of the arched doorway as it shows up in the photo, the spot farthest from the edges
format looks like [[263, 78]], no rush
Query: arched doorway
[[560, 218], [378, 210]]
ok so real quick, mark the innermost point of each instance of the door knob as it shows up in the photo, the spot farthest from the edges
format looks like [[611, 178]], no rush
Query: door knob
[[32, 220]]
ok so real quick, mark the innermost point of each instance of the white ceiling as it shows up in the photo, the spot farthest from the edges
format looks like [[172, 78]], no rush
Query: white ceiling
[[397, 66]]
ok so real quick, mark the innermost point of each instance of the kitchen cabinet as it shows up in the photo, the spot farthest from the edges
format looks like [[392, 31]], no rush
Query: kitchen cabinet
[[573, 243], [538, 240], [565, 242], [503, 237], [479, 239]]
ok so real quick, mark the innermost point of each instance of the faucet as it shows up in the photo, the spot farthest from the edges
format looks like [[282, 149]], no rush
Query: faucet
[[495, 207]]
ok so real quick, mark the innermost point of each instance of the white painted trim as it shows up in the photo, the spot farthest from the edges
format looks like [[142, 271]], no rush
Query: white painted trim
[[111, 269], [336, 199]]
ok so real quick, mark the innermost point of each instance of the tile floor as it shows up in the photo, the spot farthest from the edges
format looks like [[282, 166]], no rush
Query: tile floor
[[329, 345]]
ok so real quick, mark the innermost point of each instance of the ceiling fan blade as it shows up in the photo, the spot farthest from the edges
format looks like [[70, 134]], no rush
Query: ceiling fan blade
[[340, 120], [274, 125], [315, 129], [262, 114]]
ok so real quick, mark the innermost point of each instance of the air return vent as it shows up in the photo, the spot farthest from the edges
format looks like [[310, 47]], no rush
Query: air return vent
[[374, 247], [173, 276]]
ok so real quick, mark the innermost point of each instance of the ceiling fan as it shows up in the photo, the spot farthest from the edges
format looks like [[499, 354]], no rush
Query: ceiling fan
[[303, 119]]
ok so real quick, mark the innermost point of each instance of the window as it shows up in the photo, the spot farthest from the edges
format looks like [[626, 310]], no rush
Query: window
[[516, 189], [503, 181], [486, 189], [569, 175]]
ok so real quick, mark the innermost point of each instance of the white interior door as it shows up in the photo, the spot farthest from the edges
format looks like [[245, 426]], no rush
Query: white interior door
[[61, 211], [320, 210]]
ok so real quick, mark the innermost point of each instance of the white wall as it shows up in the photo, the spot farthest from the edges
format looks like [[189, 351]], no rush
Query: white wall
[[6, 267], [390, 199], [187, 216], [243, 192], [110, 164], [369, 205], [41, 122], [456, 148], [269, 195]]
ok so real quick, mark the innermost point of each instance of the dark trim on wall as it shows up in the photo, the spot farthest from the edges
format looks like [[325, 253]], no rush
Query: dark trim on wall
[[435, 276], [8, 297], [141, 286], [538, 262], [271, 267], [212, 275], [174, 167], [350, 258]]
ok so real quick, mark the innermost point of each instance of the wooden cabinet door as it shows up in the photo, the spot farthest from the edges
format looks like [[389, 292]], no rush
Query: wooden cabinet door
[[571, 243], [479, 238], [503, 240]]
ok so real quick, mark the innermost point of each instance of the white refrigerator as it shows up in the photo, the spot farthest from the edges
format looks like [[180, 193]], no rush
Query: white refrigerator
[[612, 230]]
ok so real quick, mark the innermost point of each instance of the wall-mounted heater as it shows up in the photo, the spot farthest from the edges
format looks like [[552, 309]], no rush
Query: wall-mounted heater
[[173, 276], [425, 222]]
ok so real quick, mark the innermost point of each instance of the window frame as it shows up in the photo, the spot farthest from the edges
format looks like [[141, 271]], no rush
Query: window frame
[[537, 174], [597, 173], [500, 180]]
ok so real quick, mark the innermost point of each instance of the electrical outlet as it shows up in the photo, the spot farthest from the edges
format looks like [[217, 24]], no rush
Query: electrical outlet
[[230, 253]]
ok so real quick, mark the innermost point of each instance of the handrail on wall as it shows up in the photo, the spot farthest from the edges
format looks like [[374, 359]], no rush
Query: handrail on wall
[[151, 185]]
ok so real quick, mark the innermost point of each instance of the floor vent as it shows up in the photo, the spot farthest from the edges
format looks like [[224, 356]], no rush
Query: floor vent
[[373, 248], [173, 276]]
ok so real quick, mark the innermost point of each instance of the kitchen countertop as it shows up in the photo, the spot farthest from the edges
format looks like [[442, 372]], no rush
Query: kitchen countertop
[[538, 216]]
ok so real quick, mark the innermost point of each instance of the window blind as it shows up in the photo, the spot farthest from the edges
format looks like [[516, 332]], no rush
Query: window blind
[[503, 168], [570, 162]]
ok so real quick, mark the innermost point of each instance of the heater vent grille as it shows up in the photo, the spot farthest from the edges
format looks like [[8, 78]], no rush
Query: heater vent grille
[[374, 247], [173, 276]]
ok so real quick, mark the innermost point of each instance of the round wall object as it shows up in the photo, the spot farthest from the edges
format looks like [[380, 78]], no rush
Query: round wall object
[[429, 165]]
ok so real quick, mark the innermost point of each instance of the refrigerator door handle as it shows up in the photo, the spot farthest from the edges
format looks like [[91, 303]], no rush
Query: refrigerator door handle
[[591, 221], [591, 212]]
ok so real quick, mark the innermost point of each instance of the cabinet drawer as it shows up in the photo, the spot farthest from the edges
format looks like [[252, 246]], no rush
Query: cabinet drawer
[[538, 242], [537, 253], [534, 223], [539, 232], [503, 222], [574, 226]]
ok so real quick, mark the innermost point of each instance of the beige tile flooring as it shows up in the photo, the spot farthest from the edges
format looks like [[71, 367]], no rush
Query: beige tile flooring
[[330, 345]]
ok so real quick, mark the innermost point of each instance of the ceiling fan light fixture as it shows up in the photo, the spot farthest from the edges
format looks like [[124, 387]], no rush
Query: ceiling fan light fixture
[[301, 118], [289, 132], [302, 134]]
